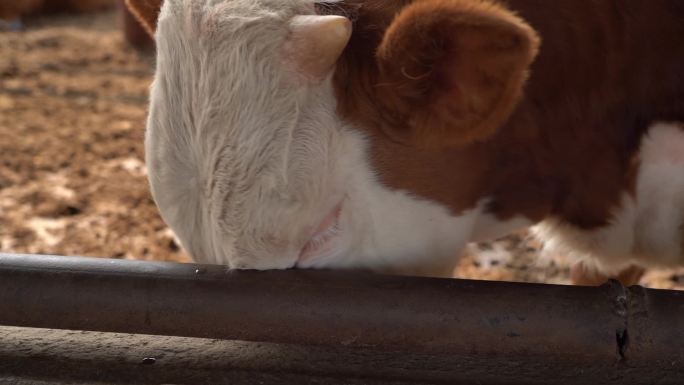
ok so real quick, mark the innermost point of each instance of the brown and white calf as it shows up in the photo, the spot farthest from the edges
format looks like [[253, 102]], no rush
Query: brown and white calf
[[277, 137]]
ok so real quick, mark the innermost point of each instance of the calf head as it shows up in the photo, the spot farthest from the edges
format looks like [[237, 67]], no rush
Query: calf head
[[259, 150]]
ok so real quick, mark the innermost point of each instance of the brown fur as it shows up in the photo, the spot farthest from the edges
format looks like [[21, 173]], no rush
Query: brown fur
[[605, 71], [569, 148], [146, 11], [455, 69]]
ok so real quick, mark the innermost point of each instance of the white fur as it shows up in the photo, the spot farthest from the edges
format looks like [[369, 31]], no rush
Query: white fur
[[244, 161], [647, 229]]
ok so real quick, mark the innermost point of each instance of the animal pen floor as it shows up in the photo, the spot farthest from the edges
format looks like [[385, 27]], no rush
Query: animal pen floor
[[73, 101]]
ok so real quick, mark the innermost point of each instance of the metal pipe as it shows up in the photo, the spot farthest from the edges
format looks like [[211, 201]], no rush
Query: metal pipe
[[610, 332]]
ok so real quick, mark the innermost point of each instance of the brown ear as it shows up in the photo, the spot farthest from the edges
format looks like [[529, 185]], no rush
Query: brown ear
[[456, 69], [147, 12]]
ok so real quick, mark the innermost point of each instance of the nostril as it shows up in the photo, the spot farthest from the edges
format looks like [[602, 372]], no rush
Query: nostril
[[322, 235], [329, 220]]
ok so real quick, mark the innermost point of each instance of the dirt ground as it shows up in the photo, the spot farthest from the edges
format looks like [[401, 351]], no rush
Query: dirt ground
[[73, 99]]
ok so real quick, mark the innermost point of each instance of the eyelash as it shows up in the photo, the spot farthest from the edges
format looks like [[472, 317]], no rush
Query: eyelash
[[328, 7]]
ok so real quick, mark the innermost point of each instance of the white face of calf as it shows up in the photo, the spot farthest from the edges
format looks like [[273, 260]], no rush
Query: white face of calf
[[249, 163]]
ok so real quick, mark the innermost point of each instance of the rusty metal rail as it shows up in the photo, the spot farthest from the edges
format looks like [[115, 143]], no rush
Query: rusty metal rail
[[445, 330]]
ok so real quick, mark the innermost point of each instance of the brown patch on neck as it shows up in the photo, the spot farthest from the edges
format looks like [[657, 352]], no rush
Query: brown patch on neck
[[361, 98], [570, 149]]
